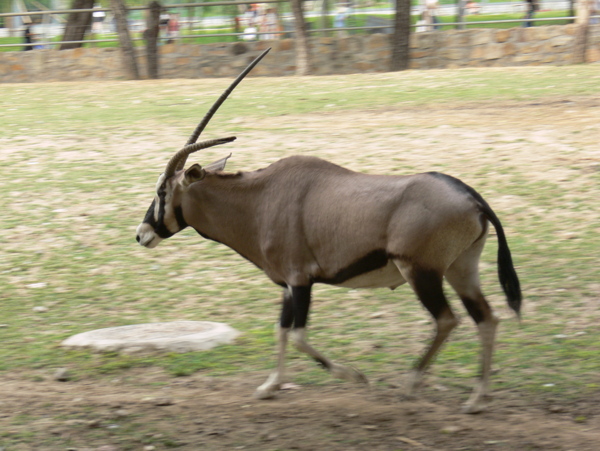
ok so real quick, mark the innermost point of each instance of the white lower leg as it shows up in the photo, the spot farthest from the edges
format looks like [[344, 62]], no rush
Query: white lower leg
[[412, 382], [444, 325], [275, 379], [336, 370], [487, 334]]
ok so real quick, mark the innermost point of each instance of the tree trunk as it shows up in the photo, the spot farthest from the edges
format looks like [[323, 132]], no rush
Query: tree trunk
[[460, 13], [401, 37], [127, 51], [151, 36], [301, 38], [325, 16], [77, 24], [583, 29], [192, 18]]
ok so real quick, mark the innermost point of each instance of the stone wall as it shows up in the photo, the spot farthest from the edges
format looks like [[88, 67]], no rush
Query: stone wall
[[553, 45]]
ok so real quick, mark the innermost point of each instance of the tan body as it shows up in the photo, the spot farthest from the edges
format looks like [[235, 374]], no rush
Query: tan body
[[304, 219]]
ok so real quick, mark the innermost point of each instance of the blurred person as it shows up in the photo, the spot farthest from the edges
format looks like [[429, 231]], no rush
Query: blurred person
[[173, 28], [432, 11], [532, 7], [595, 11], [421, 25], [237, 24], [472, 7], [251, 14], [252, 22], [98, 19], [269, 24], [339, 20], [29, 36], [163, 25]]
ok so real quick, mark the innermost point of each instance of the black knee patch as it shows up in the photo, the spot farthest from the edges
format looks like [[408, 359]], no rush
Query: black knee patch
[[286, 320], [428, 286], [295, 307], [475, 309], [301, 303]]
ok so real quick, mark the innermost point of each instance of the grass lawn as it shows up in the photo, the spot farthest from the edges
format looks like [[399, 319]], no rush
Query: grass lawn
[[79, 165], [80, 160]]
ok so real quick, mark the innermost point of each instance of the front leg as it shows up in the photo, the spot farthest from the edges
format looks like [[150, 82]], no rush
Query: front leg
[[338, 371], [294, 317], [275, 379], [286, 320]]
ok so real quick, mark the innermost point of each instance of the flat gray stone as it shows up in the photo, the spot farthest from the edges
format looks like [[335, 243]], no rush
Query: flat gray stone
[[175, 336]]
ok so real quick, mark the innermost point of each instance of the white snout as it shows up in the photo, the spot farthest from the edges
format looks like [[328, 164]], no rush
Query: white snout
[[146, 236]]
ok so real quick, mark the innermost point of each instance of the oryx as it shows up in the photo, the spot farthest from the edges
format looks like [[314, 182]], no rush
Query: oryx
[[303, 220]]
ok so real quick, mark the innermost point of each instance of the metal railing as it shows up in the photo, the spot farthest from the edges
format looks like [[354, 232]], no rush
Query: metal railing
[[135, 25], [192, 22]]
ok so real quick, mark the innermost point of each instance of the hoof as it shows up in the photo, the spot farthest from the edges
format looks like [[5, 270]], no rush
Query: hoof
[[348, 373], [270, 387], [476, 404], [473, 408], [266, 392], [478, 401], [412, 383], [408, 396]]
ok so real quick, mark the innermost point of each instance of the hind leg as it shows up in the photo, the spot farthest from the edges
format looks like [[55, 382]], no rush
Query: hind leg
[[427, 284], [463, 276]]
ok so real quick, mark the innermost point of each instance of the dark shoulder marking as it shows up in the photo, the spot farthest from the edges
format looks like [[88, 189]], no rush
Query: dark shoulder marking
[[373, 260]]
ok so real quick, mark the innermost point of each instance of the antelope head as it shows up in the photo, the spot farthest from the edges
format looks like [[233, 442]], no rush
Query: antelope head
[[165, 215]]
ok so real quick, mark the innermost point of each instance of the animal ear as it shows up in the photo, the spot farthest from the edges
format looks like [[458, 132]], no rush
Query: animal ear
[[218, 165], [194, 173]]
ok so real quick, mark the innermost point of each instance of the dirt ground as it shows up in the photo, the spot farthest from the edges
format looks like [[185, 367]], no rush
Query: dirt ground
[[147, 409], [199, 413]]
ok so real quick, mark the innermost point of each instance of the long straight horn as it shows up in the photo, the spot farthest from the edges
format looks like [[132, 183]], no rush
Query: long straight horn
[[208, 116], [173, 163]]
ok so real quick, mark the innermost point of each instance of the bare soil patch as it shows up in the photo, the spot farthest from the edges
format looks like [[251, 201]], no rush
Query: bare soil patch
[[219, 414]]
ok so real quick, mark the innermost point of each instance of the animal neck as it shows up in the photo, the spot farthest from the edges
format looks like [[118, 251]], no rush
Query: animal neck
[[223, 208]]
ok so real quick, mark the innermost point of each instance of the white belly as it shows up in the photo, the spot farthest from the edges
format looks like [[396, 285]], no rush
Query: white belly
[[387, 277]]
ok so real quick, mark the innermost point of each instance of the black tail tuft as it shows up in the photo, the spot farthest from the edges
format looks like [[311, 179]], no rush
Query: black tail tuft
[[507, 274], [506, 270]]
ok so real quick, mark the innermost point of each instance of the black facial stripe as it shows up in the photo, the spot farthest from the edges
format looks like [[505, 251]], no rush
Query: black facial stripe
[[161, 206], [180, 219], [159, 224]]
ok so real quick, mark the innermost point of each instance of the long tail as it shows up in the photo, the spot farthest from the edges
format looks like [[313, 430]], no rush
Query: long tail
[[506, 270]]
